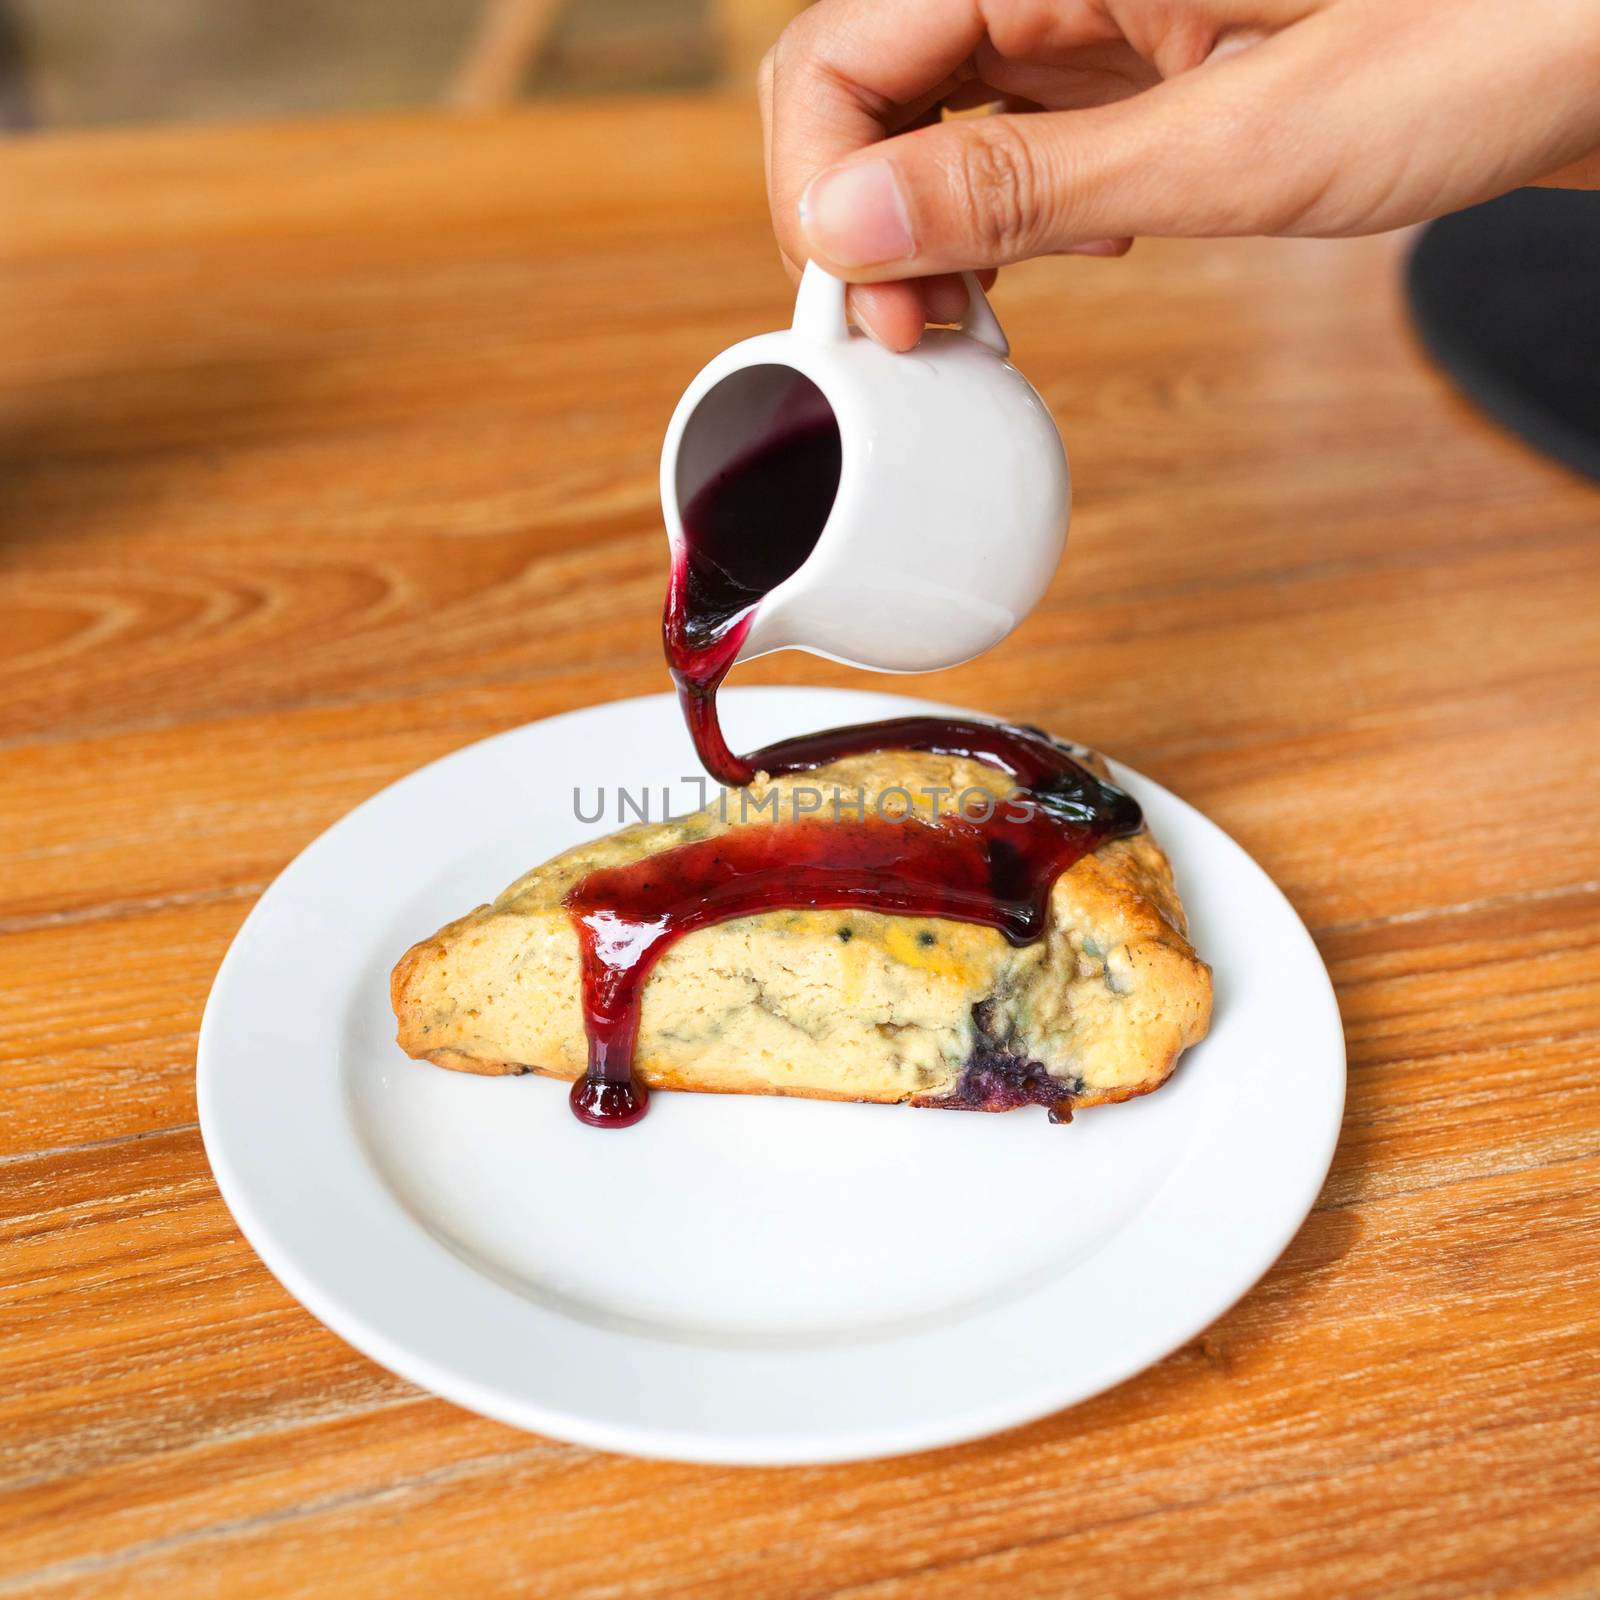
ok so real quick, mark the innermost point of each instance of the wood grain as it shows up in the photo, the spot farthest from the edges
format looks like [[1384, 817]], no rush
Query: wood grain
[[324, 450]]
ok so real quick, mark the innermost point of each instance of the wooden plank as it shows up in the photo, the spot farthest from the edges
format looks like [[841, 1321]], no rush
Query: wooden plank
[[1457, 1320], [89, 194], [331, 498]]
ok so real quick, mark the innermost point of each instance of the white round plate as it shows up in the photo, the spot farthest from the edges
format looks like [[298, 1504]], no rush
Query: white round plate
[[736, 1279]]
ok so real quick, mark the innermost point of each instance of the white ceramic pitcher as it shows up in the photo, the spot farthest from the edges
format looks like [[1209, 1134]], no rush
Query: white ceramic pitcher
[[953, 490]]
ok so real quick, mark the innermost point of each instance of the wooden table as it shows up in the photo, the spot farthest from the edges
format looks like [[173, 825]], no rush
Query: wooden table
[[328, 449]]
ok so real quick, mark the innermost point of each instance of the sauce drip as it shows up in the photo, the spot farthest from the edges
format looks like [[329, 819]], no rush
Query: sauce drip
[[748, 529], [993, 864]]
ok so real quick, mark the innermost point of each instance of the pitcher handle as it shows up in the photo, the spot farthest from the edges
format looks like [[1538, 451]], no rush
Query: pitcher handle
[[819, 311], [980, 322]]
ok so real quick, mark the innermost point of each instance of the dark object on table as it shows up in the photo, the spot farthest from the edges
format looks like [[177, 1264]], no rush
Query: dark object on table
[[1506, 297]]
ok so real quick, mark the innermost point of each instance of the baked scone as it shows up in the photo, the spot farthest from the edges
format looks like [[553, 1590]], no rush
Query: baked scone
[[842, 1005]]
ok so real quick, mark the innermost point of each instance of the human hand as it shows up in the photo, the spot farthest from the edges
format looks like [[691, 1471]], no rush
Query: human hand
[[1165, 117]]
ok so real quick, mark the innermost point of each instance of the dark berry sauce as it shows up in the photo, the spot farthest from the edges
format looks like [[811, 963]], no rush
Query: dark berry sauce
[[992, 863], [748, 529]]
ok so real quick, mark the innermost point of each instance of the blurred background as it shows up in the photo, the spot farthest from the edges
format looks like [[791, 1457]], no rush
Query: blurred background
[[66, 63], [1501, 295]]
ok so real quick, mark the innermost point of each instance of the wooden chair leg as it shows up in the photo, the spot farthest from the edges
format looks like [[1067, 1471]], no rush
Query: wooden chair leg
[[506, 45], [17, 109], [746, 30]]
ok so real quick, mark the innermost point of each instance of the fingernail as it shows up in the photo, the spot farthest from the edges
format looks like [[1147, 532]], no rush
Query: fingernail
[[877, 338], [855, 216], [1096, 247]]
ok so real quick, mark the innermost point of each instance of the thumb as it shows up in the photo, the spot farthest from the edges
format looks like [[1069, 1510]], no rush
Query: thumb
[[983, 192]]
